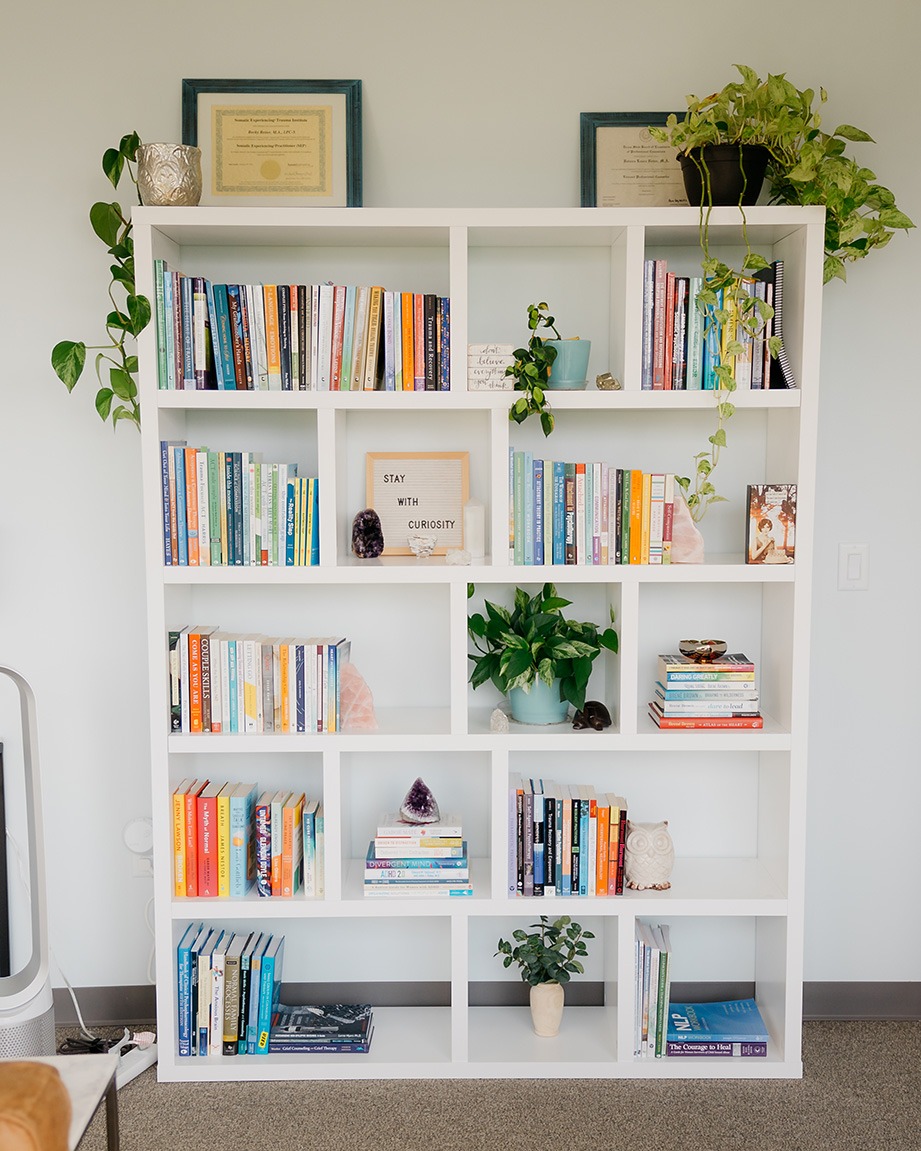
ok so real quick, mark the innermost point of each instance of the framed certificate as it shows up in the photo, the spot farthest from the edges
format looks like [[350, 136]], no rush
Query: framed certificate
[[278, 142], [419, 493], [623, 167]]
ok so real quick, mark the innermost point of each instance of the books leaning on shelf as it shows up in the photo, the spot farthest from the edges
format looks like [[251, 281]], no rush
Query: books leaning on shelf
[[727, 1028], [326, 1029], [652, 988], [588, 513], [232, 684], [683, 344], [417, 859], [226, 838], [228, 988], [721, 694], [564, 839], [298, 337], [223, 508]]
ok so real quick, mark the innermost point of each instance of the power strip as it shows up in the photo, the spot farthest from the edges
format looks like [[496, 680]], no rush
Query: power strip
[[133, 1062]]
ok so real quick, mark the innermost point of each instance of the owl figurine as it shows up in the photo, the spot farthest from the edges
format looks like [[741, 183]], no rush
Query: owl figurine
[[649, 856]]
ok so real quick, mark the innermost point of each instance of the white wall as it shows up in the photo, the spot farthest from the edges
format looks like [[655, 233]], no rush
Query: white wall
[[470, 104]]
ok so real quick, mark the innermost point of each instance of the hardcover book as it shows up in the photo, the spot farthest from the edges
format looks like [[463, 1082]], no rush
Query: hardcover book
[[770, 530]]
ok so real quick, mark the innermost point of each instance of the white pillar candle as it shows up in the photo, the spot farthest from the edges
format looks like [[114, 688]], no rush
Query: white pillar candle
[[475, 529]]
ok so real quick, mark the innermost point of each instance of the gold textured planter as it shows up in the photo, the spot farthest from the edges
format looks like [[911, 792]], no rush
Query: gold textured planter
[[547, 1009], [169, 174]]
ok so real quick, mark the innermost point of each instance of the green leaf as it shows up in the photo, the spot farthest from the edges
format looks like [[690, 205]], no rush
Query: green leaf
[[106, 220], [856, 135], [139, 313], [719, 437], [104, 399], [893, 218], [68, 359], [123, 413], [112, 164], [128, 146], [122, 384]]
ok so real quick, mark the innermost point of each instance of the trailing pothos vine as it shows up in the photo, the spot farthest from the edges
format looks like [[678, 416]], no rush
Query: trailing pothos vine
[[116, 366], [726, 304]]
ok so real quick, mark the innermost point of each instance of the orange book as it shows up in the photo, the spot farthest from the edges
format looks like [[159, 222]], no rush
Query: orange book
[[409, 355], [191, 504], [179, 855], [190, 819], [636, 516], [284, 686], [277, 820], [602, 847], [195, 681], [272, 337], [292, 843]]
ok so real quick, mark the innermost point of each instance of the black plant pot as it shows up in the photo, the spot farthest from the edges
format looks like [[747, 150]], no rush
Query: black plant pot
[[733, 173]]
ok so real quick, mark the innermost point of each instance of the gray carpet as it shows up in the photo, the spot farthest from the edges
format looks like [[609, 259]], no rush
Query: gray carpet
[[860, 1091]]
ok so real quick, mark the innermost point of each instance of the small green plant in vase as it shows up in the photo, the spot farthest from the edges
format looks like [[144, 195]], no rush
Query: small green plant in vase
[[548, 954], [534, 648]]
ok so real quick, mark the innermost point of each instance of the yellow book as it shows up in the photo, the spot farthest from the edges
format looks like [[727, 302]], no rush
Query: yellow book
[[222, 489], [223, 841], [636, 516], [644, 522], [292, 843], [272, 338], [284, 686]]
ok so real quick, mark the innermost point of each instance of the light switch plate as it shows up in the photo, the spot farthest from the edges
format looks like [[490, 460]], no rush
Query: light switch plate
[[853, 565]]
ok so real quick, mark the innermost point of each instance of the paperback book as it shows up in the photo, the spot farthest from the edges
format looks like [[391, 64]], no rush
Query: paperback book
[[727, 1021]]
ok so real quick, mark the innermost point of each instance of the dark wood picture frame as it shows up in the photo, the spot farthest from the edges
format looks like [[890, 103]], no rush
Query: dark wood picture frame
[[589, 125], [348, 137]]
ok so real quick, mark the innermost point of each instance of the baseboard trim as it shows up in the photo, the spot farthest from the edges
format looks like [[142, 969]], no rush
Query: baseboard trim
[[134, 1005]]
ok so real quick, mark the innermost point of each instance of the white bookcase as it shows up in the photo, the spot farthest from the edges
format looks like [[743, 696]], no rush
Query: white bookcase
[[734, 800]]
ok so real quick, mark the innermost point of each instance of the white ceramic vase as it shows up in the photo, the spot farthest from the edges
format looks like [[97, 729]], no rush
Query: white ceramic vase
[[547, 1008]]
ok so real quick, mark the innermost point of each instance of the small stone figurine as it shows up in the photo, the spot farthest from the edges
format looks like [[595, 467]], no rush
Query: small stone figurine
[[367, 535], [593, 714]]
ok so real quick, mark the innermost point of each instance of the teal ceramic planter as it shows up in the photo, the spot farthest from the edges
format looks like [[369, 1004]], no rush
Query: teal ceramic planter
[[569, 371], [540, 705]]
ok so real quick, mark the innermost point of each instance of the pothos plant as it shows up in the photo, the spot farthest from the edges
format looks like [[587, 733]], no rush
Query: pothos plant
[[531, 370], [535, 641], [806, 166], [116, 364]]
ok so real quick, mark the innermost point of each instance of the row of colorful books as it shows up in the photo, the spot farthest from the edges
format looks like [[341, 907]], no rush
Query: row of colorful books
[[226, 508], [229, 984], [228, 836], [652, 989], [417, 859], [298, 337], [234, 684], [588, 513], [721, 693], [684, 342], [564, 839]]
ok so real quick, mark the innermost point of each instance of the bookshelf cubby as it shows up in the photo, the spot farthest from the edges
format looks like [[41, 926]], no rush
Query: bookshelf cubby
[[734, 799]]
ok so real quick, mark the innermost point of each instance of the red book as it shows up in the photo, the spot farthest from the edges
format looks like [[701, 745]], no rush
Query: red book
[[703, 722], [207, 841], [191, 837]]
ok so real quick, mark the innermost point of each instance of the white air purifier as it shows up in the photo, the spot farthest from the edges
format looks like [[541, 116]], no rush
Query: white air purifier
[[26, 1003]]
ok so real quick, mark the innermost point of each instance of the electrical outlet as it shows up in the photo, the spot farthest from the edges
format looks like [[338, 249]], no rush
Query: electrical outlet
[[142, 866]]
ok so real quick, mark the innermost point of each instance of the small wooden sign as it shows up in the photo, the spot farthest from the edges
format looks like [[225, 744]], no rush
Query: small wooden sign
[[419, 493]]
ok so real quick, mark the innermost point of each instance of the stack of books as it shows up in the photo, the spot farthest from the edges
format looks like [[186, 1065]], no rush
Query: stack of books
[[322, 1029], [428, 859], [652, 989], [728, 1028], [721, 694]]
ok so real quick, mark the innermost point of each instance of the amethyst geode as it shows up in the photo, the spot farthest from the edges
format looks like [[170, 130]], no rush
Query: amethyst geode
[[367, 535], [419, 806]]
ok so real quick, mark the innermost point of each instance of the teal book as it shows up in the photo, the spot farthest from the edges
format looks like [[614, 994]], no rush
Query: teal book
[[255, 992], [559, 512], [242, 845], [727, 1021], [269, 990]]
